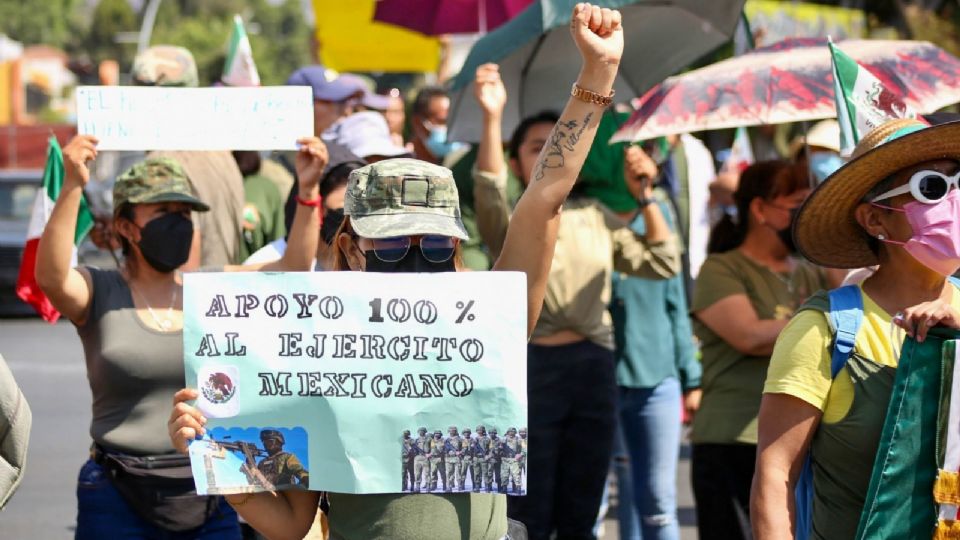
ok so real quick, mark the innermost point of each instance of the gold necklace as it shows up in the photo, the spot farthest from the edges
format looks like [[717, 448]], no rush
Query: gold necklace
[[167, 323]]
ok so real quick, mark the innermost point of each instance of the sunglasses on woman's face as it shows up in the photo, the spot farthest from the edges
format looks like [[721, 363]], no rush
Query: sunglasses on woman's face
[[928, 187], [436, 249]]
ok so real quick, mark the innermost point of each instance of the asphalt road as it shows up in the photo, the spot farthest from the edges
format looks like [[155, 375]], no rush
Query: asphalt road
[[48, 364]]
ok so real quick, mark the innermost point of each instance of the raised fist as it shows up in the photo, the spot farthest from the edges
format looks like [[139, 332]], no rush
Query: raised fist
[[598, 34], [489, 89]]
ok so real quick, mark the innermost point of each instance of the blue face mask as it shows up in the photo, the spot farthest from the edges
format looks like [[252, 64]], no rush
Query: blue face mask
[[437, 143], [823, 164]]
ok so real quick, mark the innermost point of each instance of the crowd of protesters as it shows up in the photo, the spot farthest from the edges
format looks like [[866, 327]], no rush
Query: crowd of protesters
[[676, 307]]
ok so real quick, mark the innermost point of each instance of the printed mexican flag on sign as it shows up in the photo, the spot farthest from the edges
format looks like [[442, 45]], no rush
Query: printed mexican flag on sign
[[53, 175], [863, 102]]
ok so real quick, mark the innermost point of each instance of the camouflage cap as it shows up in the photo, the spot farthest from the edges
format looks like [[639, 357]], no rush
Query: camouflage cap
[[466, 430], [403, 197], [452, 428], [406, 432], [155, 180], [422, 430], [271, 434], [165, 65], [511, 430], [481, 428], [493, 430], [438, 432]]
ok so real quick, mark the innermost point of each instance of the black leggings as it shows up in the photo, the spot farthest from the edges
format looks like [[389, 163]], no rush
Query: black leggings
[[572, 397], [721, 476]]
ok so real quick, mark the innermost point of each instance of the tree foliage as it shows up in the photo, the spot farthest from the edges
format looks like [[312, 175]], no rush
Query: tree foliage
[[278, 33]]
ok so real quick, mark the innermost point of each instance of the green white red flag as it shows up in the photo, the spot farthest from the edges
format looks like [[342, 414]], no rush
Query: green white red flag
[[53, 175], [240, 69], [741, 153], [863, 102]]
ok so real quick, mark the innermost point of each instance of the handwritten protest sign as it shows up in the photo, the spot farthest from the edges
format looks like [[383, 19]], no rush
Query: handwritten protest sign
[[310, 380], [159, 118]]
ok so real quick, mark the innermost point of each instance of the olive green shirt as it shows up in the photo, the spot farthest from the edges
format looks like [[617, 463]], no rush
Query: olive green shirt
[[592, 242], [459, 516], [732, 382]]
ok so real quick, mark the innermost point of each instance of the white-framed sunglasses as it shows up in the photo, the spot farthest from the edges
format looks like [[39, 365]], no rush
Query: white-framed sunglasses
[[928, 187]]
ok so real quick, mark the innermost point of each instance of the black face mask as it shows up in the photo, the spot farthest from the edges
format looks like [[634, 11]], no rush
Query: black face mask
[[786, 235], [331, 224], [165, 242], [414, 261]]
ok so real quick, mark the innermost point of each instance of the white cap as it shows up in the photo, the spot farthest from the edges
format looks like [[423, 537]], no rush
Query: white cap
[[823, 134], [365, 134]]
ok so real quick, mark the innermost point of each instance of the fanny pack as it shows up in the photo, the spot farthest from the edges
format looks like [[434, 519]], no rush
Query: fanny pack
[[159, 489]]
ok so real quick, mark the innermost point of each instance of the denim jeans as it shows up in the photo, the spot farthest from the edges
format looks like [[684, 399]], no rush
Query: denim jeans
[[102, 513], [651, 422], [628, 520], [572, 415]]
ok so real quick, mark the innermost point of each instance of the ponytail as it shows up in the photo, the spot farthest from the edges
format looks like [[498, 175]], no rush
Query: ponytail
[[727, 234]]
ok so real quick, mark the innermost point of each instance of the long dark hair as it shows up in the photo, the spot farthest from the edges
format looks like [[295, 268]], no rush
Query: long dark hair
[[764, 179]]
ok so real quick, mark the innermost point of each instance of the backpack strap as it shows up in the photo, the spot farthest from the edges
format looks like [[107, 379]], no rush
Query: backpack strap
[[844, 311], [845, 316]]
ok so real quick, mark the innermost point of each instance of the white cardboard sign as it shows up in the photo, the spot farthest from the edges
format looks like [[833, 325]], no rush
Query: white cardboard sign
[[159, 118]]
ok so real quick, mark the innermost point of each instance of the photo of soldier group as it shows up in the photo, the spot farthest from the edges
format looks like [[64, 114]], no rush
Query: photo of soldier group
[[255, 459], [464, 461]]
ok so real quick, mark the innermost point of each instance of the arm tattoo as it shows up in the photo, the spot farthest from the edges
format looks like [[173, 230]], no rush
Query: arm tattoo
[[563, 139]]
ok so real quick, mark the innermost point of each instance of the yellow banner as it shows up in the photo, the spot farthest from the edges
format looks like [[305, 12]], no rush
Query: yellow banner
[[776, 21], [349, 40]]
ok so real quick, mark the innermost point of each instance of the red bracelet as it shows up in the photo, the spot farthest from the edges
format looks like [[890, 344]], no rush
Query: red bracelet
[[314, 203]]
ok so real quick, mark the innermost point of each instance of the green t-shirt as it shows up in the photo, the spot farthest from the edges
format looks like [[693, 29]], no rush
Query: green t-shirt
[[461, 516], [732, 382], [262, 214]]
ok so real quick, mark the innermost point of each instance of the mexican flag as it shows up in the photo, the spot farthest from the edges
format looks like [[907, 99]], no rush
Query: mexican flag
[[741, 153], [863, 102], [53, 174], [240, 70]]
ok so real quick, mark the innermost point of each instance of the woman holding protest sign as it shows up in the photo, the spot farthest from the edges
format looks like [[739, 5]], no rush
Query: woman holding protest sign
[[425, 235], [130, 323]]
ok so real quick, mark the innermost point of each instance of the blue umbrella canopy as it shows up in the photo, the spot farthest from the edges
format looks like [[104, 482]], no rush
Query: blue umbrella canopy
[[539, 61]]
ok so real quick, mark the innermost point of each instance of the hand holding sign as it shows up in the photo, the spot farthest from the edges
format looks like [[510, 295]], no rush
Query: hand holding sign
[[186, 423], [312, 158]]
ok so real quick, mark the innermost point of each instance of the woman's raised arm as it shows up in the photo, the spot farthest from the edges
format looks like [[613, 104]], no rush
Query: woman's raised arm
[[301, 249], [68, 288], [532, 234]]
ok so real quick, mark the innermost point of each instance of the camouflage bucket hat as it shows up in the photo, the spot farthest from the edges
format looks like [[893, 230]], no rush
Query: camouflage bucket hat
[[165, 65], [155, 180], [403, 197]]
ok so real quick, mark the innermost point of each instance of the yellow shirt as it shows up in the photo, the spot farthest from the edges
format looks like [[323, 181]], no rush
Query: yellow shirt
[[800, 365]]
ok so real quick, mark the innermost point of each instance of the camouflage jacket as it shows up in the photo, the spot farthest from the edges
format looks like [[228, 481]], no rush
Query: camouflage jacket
[[284, 469]]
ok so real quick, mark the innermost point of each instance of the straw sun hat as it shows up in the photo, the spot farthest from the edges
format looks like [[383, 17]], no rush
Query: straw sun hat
[[826, 231]]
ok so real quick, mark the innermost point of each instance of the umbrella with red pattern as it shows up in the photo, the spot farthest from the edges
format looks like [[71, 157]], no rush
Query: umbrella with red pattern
[[790, 81]]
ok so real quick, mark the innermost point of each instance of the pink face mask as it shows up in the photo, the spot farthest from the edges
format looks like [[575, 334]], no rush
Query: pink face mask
[[936, 233]]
